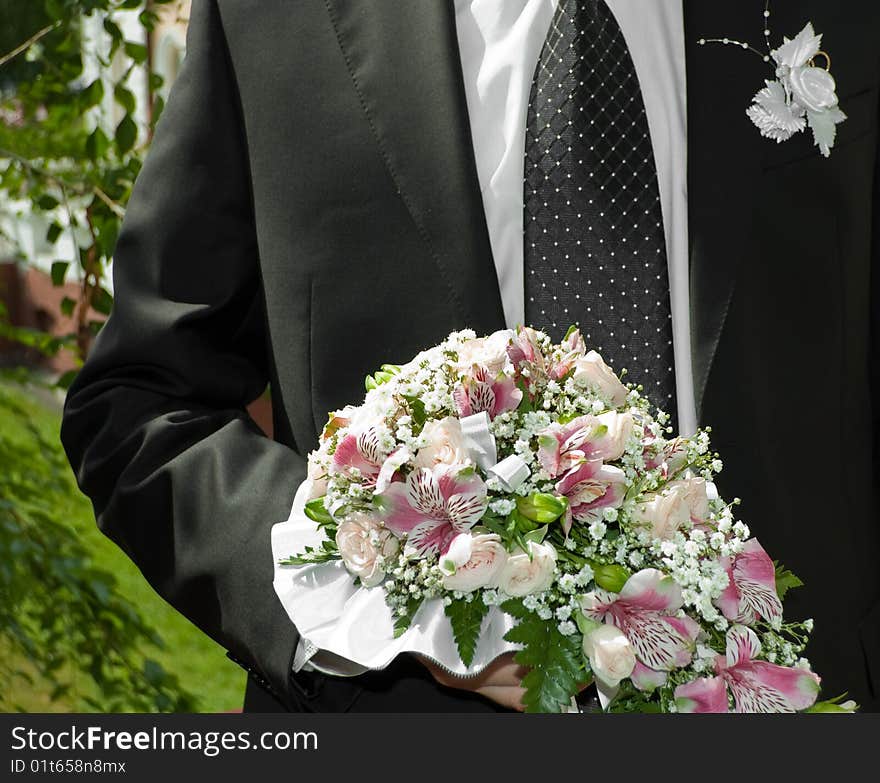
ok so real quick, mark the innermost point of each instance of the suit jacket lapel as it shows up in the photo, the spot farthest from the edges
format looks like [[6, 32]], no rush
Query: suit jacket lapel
[[724, 164], [405, 63]]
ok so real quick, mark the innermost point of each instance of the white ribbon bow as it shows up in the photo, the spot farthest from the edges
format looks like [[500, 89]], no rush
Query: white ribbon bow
[[511, 472]]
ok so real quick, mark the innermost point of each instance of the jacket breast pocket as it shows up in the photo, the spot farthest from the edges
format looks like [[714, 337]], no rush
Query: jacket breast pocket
[[861, 109]]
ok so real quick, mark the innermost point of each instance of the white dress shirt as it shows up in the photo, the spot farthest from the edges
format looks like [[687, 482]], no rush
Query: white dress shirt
[[500, 42]]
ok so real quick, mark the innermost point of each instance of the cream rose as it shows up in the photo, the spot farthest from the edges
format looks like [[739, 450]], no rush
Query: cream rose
[[363, 545], [591, 371], [680, 503], [490, 352], [611, 655], [663, 514], [445, 444], [618, 429], [486, 559], [528, 572], [317, 476], [695, 492]]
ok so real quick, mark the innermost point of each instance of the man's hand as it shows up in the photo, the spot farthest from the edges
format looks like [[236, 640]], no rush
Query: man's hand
[[500, 681]]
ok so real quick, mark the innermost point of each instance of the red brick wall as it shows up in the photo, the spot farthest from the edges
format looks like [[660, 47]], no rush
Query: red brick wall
[[33, 301]]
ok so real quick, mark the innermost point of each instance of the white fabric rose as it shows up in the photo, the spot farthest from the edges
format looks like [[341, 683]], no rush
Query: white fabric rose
[[813, 88], [591, 371], [483, 566], [611, 656], [445, 445], [529, 572], [363, 545]]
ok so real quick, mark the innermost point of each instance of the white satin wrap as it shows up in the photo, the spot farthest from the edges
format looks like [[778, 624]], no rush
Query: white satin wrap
[[354, 623]]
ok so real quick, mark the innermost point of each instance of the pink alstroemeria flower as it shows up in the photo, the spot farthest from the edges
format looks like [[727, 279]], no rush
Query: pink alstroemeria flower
[[756, 686], [526, 354], [669, 455], [751, 591], [643, 613], [591, 487], [433, 506], [575, 349], [562, 447], [480, 392], [360, 452]]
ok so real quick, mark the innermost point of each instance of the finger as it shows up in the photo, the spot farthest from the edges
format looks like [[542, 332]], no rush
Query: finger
[[504, 671], [510, 697]]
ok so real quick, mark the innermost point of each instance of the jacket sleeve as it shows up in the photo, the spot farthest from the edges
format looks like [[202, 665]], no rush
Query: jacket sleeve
[[154, 425]]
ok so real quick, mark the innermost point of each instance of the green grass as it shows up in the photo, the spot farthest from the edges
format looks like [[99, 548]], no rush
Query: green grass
[[199, 663]]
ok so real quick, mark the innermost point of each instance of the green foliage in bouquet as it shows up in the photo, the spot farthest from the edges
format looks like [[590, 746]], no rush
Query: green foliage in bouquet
[[514, 475], [556, 664], [466, 617]]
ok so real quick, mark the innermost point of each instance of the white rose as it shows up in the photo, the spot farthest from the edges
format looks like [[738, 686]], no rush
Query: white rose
[[591, 371], [490, 352], [363, 544], [529, 572], [445, 444], [695, 493], [482, 568], [611, 655], [619, 427], [663, 514], [813, 88], [317, 476]]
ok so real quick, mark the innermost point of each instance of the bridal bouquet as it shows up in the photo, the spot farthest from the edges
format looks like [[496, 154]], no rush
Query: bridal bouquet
[[508, 473]]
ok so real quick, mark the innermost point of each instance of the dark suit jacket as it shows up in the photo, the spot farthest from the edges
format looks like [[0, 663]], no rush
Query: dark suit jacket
[[310, 209]]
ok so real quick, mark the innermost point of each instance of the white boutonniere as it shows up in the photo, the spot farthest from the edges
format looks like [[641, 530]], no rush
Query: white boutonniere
[[802, 94]]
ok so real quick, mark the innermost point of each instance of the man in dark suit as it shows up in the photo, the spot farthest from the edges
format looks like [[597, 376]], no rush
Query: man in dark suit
[[311, 208]]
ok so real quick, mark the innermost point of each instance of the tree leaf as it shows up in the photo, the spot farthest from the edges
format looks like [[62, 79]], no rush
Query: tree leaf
[[53, 232], [66, 379], [47, 202], [97, 144], [59, 270], [124, 97], [94, 93], [102, 301], [126, 134], [555, 661], [137, 51], [466, 618]]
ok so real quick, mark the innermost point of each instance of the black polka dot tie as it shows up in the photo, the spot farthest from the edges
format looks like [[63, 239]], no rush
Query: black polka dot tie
[[595, 253]]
